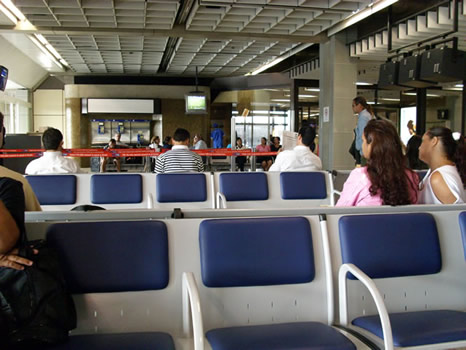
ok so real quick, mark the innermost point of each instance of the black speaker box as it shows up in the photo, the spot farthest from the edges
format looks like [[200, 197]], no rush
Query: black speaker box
[[409, 73], [388, 76], [443, 65]]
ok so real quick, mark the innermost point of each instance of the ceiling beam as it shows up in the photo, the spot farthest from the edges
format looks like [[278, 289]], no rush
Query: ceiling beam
[[178, 31]]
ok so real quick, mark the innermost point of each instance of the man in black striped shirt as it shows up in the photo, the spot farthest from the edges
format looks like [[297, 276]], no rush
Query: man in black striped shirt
[[179, 159]]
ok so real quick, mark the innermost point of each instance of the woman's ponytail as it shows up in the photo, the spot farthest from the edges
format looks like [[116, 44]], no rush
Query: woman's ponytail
[[460, 158]]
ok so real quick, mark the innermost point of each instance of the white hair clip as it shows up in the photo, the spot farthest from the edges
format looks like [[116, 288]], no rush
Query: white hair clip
[[456, 135]]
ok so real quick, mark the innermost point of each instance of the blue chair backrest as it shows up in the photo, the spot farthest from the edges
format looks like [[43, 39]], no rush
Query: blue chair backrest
[[103, 257], [421, 174], [303, 185], [115, 189], [54, 189], [391, 245], [244, 186], [256, 252], [181, 188], [462, 218]]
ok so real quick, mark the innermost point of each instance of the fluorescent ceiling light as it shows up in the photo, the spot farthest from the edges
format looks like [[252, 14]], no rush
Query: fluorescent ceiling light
[[14, 10], [266, 112], [18, 18], [45, 51], [9, 14], [312, 89], [303, 96], [414, 94], [280, 100], [459, 85], [372, 8], [362, 83], [389, 99]]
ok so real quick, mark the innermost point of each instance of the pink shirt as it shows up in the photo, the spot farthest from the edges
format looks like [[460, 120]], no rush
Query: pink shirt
[[356, 190], [260, 148]]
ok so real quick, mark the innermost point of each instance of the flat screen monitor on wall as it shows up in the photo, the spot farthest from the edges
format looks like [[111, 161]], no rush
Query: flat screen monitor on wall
[[407, 114], [196, 103], [3, 77]]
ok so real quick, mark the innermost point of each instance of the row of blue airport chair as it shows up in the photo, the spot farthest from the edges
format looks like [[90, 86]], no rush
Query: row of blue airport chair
[[265, 283], [189, 190]]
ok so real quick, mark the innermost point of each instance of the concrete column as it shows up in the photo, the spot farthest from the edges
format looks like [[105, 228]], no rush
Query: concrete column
[[338, 74], [72, 128]]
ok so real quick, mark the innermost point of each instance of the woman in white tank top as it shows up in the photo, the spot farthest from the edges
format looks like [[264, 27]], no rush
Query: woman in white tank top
[[444, 182]]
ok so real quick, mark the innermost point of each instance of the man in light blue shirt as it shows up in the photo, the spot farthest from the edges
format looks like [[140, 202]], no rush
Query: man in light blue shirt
[[364, 111]]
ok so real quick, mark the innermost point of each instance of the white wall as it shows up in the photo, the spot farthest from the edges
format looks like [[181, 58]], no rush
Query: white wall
[[49, 110]]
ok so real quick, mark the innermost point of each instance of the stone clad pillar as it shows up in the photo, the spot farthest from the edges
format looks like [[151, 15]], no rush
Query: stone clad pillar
[[338, 74], [72, 128]]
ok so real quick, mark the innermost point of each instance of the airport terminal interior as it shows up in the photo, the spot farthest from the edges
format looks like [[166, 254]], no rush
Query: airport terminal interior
[[237, 257]]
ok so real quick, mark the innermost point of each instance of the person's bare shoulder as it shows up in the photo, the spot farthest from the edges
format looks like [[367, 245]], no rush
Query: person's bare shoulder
[[441, 189]]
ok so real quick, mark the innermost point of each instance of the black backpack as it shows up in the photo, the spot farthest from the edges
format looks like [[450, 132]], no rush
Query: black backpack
[[36, 309]]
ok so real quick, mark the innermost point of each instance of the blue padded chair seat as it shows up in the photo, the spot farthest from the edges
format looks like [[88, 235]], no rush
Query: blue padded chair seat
[[419, 328], [244, 186], [299, 335], [54, 189], [116, 189], [462, 219], [127, 341], [181, 188], [303, 185]]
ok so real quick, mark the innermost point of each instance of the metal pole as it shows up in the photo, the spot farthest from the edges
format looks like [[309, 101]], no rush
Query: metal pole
[[463, 110], [421, 111]]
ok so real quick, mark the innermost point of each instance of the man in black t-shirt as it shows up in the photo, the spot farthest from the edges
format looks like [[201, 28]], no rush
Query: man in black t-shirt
[[11, 223]]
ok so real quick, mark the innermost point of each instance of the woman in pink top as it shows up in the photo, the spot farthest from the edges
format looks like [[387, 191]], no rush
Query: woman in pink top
[[264, 161], [386, 180]]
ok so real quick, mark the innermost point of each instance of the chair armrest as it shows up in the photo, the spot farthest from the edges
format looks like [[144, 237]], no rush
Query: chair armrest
[[328, 268], [192, 314], [332, 190], [150, 201], [221, 201], [378, 299]]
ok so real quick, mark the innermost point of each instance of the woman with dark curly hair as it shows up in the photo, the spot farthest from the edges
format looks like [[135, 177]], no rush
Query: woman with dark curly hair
[[446, 157], [386, 180]]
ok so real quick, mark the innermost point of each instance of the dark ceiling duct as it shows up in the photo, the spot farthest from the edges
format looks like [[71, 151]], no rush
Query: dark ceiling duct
[[170, 48]]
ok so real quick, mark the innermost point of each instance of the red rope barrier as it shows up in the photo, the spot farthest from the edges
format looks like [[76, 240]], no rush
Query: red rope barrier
[[126, 152]]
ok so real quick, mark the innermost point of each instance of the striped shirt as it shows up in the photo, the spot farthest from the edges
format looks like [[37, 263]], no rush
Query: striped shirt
[[179, 160]]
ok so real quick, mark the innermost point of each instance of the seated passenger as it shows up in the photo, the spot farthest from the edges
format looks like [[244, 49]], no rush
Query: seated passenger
[[446, 158], [112, 144], [385, 180], [301, 157], [52, 161], [179, 159], [118, 141], [240, 160], [167, 142], [11, 224], [264, 161], [275, 146], [199, 143], [31, 201]]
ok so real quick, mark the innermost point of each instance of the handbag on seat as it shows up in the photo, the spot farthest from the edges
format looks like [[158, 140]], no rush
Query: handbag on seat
[[36, 309]]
